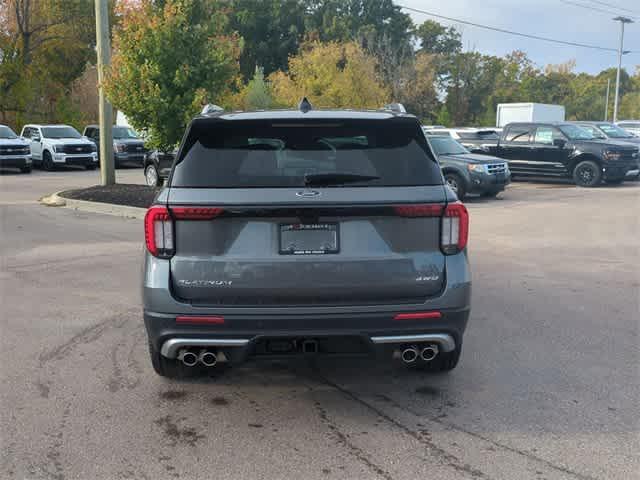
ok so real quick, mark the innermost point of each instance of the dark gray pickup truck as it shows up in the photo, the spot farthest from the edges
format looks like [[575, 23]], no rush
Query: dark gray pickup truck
[[561, 149]]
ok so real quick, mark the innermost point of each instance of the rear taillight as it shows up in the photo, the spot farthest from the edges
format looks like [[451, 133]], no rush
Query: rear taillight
[[158, 232], [454, 230], [159, 228]]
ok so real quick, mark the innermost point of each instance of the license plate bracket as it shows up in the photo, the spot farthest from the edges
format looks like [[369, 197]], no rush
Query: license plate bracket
[[308, 238]]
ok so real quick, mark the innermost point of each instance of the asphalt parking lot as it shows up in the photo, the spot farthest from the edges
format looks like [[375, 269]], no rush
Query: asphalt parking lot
[[548, 385]]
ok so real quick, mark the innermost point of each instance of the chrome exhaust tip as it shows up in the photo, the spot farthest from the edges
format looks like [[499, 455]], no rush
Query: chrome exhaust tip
[[188, 358], [429, 352], [409, 355], [208, 358]]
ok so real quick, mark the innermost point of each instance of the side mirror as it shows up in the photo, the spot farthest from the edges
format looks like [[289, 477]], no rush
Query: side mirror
[[559, 142], [36, 138]]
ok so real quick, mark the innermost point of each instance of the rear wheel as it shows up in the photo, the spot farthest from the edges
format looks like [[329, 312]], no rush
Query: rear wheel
[[587, 174], [456, 183], [47, 162]]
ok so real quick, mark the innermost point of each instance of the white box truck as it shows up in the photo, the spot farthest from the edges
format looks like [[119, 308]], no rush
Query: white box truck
[[528, 112]]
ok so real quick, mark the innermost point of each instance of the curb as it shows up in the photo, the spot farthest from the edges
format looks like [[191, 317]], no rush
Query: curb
[[55, 200]]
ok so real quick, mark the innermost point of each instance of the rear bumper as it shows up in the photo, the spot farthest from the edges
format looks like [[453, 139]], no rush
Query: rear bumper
[[370, 333]]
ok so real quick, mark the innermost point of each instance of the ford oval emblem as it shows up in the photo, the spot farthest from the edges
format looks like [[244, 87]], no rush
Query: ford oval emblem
[[307, 193]]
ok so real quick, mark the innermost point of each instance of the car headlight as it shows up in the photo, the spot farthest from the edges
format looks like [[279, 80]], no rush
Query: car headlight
[[477, 167], [118, 147], [54, 148], [611, 155]]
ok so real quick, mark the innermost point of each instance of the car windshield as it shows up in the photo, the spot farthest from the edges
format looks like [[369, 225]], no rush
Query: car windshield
[[446, 146], [594, 131], [122, 133], [60, 132], [488, 135], [6, 132], [614, 131], [287, 154], [574, 132]]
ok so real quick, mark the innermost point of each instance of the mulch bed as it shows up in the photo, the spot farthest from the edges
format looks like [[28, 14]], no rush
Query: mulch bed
[[120, 194]]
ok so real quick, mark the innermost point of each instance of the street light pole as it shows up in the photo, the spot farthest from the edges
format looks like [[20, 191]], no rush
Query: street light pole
[[622, 21], [103, 47], [606, 100]]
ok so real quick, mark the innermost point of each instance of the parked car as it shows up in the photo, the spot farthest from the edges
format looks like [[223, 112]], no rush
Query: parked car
[[157, 167], [128, 148], [476, 140], [14, 151], [305, 232], [613, 134], [632, 126], [564, 150], [467, 172], [57, 145]]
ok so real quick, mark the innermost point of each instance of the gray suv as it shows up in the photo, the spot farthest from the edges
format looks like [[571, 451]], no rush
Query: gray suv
[[305, 233]]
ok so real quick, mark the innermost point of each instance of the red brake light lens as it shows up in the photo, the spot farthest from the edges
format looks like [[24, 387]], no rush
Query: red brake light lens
[[454, 229], [196, 213], [424, 210], [418, 316]]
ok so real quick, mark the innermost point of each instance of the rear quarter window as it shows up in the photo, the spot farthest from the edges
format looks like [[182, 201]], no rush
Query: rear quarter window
[[244, 154], [518, 134]]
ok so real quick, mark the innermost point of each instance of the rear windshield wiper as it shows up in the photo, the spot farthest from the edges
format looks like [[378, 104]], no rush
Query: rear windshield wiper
[[317, 179]]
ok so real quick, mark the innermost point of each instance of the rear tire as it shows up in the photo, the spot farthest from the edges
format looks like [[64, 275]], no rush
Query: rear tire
[[587, 174], [456, 183], [168, 368], [444, 362]]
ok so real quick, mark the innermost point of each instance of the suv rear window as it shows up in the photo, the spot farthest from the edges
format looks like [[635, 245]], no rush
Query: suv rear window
[[227, 154], [483, 135]]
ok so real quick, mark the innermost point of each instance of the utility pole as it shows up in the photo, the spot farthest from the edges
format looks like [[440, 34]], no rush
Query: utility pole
[[107, 170], [622, 21], [606, 100]]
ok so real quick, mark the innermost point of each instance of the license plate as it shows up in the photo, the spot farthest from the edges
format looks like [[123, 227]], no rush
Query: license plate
[[308, 238]]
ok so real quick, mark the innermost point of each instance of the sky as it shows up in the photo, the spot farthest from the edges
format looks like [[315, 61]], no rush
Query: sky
[[559, 19]]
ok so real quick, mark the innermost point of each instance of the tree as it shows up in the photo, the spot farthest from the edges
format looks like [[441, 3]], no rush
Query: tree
[[44, 47], [256, 95], [271, 29], [335, 75], [438, 39], [168, 62]]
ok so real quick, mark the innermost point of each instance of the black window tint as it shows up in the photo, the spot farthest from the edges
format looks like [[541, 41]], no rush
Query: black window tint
[[279, 154], [482, 135], [518, 134]]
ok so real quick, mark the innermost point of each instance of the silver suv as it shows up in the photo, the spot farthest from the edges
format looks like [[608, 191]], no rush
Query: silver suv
[[305, 233]]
